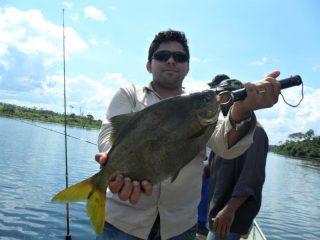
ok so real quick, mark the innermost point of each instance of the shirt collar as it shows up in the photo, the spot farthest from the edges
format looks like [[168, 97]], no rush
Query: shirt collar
[[150, 88]]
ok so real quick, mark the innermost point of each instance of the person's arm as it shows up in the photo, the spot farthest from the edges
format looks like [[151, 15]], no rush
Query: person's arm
[[263, 94], [224, 219], [227, 141]]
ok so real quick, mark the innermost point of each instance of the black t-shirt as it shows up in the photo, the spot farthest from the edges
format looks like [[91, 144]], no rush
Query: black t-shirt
[[239, 177]]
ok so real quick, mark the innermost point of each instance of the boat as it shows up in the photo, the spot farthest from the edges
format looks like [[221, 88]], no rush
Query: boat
[[254, 234]]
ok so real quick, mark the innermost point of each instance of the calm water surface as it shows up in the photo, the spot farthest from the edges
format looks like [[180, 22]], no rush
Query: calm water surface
[[32, 170]]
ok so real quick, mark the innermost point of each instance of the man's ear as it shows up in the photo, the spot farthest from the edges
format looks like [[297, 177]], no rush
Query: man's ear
[[148, 66]]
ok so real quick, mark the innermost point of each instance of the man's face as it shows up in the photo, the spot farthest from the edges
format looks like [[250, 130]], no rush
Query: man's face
[[169, 73]]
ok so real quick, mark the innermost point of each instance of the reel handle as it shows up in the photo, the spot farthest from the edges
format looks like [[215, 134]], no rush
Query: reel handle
[[295, 80]]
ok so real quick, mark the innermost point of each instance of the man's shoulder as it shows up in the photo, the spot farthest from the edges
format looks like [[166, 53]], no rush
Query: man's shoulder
[[131, 88], [260, 131]]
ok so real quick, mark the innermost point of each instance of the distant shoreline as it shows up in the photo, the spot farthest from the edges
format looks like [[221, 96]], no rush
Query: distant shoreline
[[41, 115]]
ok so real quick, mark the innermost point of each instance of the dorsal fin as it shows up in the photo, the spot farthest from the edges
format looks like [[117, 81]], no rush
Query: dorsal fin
[[118, 123]]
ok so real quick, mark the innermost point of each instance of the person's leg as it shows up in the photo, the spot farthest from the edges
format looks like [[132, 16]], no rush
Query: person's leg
[[190, 234], [155, 230], [110, 232], [231, 236], [203, 207]]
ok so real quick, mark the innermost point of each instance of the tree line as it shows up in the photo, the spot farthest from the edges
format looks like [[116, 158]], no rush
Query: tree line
[[43, 115], [302, 145]]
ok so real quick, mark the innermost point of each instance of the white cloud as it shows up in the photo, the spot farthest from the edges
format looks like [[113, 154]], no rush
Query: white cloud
[[260, 62], [94, 14], [195, 85], [282, 120], [30, 33], [30, 46]]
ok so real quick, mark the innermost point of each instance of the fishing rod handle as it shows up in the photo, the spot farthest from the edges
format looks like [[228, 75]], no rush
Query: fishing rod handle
[[295, 80]]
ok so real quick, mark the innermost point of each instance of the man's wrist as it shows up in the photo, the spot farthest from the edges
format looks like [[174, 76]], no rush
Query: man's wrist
[[241, 123]]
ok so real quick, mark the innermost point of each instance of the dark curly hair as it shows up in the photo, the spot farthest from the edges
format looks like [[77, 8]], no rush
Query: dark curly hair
[[168, 36]]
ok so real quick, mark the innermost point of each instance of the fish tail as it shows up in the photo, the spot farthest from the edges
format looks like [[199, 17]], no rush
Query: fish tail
[[96, 201]]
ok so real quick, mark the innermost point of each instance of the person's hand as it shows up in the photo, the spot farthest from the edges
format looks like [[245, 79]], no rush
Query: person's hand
[[223, 221], [262, 94], [126, 189]]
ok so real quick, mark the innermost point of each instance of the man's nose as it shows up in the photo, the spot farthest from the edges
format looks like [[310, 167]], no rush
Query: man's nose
[[171, 61]]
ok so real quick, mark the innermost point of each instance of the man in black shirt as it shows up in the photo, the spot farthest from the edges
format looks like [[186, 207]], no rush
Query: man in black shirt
[[235, 187]]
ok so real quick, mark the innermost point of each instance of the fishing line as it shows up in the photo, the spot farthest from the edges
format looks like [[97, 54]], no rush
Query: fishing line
[[302, 96], [52, 130]]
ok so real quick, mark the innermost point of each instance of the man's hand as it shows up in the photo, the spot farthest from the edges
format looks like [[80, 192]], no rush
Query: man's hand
[[223, 221], [262, 94], [126, 189]]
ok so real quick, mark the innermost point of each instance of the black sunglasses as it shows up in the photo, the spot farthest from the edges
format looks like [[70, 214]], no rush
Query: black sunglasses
[[164, 55]]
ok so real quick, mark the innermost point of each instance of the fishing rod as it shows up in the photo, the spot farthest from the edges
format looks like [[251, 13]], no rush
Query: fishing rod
[[292, 81], [241, 94], [68, 236]]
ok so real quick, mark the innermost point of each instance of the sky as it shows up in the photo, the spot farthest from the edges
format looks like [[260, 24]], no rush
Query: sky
[[106, 46]]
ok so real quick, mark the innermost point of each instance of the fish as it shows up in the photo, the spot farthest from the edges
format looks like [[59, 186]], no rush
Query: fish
[[152, 144]]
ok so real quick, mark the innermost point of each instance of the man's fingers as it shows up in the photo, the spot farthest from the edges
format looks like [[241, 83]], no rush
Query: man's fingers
[[101, 158], [274, 74], [147, 187], [126, 190], [223, 231], [228, 229], [135, 194], [116, 185]]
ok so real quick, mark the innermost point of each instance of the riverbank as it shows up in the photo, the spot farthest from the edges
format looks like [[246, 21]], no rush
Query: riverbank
[[42, 115]]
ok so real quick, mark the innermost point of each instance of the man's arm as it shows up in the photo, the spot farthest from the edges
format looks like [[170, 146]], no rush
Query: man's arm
[[228, 142], [224, 219], [263, 94]]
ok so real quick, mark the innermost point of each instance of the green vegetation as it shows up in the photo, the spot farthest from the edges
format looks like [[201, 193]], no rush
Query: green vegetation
[[10, 110], [301, 145]]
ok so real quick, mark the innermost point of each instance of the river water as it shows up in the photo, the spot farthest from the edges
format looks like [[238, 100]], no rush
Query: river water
[[32, 170]]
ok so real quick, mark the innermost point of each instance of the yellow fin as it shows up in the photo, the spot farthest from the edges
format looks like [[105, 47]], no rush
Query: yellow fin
[[96, 210], [78, 192], [96, 201]]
